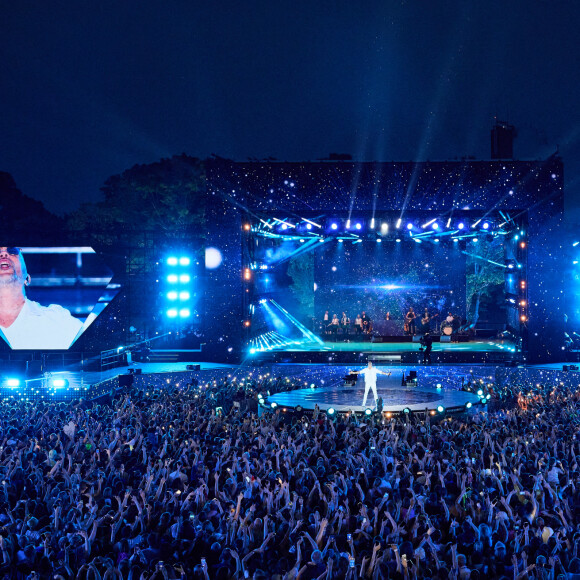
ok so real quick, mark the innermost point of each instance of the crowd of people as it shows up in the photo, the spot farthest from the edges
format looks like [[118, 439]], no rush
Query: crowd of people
[[189, 482]]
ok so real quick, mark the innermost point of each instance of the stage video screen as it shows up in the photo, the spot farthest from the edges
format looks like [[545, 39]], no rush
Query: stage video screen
[[351, 285], [50, 296]]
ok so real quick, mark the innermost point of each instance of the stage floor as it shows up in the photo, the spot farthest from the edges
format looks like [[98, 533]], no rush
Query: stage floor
[[395, 397], [483, 345]]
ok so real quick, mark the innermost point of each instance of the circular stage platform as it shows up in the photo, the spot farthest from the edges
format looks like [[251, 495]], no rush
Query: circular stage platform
[[396, 398]]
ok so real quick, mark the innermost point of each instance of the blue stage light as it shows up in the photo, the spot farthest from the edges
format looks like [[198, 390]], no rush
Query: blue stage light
[[455, 240], [331, 411], [172, 313], [185, 278], [172, 261], [13, 383], [368, 412], [435, 226], [185, 313], [480, 393], [379, 240], [334, 226], [409, 226], [358, 226], [308, 226], [475, 240], [284, 226], [438, 385], [469, 405], [172, 278], [252, 351], [183, 295], [59, 383], [172, 295], [441, 409], [406, 410], [460, 226], [485, 225], [273, 405], [398, 240], [184, 261]]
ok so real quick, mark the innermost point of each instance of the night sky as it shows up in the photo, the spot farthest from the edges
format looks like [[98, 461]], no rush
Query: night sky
[[91, 88]]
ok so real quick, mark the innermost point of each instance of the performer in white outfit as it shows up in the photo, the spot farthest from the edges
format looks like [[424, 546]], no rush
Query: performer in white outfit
[[370, 374]]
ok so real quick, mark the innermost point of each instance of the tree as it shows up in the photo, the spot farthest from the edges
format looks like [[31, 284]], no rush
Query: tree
[[484, 274]]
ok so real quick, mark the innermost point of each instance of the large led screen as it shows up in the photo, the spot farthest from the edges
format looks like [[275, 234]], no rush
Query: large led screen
[[50, 296]]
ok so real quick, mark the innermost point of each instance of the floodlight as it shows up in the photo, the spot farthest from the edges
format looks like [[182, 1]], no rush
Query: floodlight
[[441, 409], [184, 278], [59, 383], [184, 261], [172, 295], [333, 226], [469, 405], [184, 295], [172, 261], [12, 383], [368, 412], [331, 411], [172, 278], [185, 313]]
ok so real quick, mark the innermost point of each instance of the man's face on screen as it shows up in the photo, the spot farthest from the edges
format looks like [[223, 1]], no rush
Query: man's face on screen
[[12, 266]]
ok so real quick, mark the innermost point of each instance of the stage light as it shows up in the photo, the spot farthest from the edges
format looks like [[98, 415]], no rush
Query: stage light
[[172, 261], [488, 396], [484, 401], [435, 226], [333, 226], [185, 313], [184, 261], [247, 227], [247, 323], [438, 386], [409, 226], [12, 383], [469, 405], [59, 383], [358, 226], [575, 244], [301, 240], [185, 278], [172, 313], [368, 412], [172, 295], [436, 240], [522, 245], [480, 393], [379, 240], [348, 224], [398, 240], [340, 240], [399, 223], [475, 240], [284, 226], [273, 405], [406, 410], [448, 224], [460, 226], [252, 351], [373, 224], [308, 226], [184, 295], [455, 240], [441, 409], [330, 411], [485, 225], [213, 258], [247, 274], [172, 278], [384, 228], [523, 318]]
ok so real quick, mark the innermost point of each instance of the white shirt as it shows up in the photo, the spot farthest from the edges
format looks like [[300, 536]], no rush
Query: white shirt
[[42, 328], [370, 374]]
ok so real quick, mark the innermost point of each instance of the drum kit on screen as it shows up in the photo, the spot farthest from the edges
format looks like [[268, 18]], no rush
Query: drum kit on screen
[[450, 325]]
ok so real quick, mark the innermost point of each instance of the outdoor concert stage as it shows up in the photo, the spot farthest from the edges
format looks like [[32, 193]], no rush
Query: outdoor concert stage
[[396, 397]]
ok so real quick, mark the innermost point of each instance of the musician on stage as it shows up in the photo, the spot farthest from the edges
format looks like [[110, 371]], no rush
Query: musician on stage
[[370, 374], [344, 322], [366, 323], [334, 324], [426, 321], [358, 325], [410, 320]]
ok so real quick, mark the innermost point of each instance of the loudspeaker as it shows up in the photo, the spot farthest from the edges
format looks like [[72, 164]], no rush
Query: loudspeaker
[[193, 367], [126, 380]]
